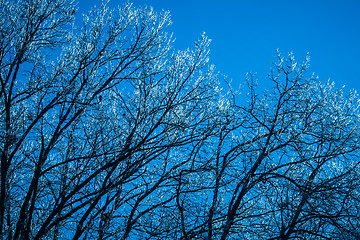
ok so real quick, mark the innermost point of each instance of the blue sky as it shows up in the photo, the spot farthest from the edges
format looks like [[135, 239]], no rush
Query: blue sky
[[246, 34]]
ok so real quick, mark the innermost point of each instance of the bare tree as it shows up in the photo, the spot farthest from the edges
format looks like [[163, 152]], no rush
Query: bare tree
[[283, 166], [107, 132], [295, 170], [97, 120]]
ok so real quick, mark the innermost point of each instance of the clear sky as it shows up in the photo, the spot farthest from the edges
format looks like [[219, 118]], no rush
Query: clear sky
[[246, 34]]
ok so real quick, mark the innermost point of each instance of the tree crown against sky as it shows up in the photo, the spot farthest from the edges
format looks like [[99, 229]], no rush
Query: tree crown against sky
[[108, 132]]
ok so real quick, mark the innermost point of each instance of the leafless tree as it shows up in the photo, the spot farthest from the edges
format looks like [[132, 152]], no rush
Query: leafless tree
[[97, 120], [107, 132], [283, 166]]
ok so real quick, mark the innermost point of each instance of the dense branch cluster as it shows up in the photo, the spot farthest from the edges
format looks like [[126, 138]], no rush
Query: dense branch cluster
[[107, 132]]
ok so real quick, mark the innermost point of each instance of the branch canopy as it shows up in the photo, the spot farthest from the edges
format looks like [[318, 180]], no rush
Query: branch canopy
[[108, 132]]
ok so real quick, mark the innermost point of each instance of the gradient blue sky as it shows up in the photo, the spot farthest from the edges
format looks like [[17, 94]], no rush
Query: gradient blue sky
[[246, 34]]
